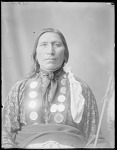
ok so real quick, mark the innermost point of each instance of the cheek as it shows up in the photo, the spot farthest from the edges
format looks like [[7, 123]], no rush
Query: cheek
[[40, 53], [61, 56]]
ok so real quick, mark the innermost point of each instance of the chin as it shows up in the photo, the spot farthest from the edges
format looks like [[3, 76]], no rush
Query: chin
[[50, 68]]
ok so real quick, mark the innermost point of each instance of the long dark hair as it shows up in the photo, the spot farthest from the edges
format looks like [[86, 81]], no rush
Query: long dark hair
[[36, 66]]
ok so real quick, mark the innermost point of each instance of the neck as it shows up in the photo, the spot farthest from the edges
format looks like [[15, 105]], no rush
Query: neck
[[50, 71]]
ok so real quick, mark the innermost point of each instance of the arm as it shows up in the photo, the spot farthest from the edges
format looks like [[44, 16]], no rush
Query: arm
[[10, 118], [90, 115]]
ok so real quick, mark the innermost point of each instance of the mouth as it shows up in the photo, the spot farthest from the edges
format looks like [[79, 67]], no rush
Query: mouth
[[50, 59]]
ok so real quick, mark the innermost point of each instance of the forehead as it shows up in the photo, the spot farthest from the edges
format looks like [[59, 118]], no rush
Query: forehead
[[50, 36]]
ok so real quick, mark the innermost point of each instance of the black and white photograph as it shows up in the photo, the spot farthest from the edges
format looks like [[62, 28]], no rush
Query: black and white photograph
[[58, 75]]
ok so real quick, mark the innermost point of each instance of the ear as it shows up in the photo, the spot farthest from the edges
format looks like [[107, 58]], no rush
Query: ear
[[65, 55], [36, 56], [65, 60]]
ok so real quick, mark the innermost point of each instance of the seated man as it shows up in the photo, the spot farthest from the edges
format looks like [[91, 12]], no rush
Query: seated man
[[51, 108]]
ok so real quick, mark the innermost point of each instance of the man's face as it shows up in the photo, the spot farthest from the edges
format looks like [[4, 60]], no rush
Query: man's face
[[50, 51]]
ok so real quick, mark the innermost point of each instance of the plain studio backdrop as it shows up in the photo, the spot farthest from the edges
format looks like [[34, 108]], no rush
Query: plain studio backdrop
[[88, 29]]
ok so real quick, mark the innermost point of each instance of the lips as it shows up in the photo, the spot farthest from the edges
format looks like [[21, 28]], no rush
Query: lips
[[50, 59]]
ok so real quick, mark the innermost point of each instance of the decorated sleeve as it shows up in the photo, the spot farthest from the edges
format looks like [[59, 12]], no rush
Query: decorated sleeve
[[10, 117], [90, 114]]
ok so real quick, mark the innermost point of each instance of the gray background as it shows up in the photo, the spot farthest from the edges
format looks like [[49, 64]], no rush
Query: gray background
[[89, 32]]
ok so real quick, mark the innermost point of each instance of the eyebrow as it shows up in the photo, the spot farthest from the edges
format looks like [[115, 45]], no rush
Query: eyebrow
[[42, 42], [50, 42]]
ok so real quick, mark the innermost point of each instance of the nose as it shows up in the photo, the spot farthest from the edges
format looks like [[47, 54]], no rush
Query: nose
[[50, 49]]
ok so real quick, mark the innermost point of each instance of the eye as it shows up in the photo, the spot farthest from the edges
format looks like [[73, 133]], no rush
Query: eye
[[57, 44], [43, 44]]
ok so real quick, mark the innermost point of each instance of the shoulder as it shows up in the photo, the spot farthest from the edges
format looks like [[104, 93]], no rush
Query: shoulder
[[21, 83], [18, 87], [18, 84], [86, 90], [83, 84]]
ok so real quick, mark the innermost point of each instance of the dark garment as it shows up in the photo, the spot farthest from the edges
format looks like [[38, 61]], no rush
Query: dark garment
[[17, 115], [63, 134]]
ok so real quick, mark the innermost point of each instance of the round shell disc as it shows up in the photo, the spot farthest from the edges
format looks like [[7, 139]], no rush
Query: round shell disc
[[58, 118], [33, 115], [32, 94], [63, 90], [33, 84], [32, 104], [63, 81], [61, 107], [61, 98], [53, 108]]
